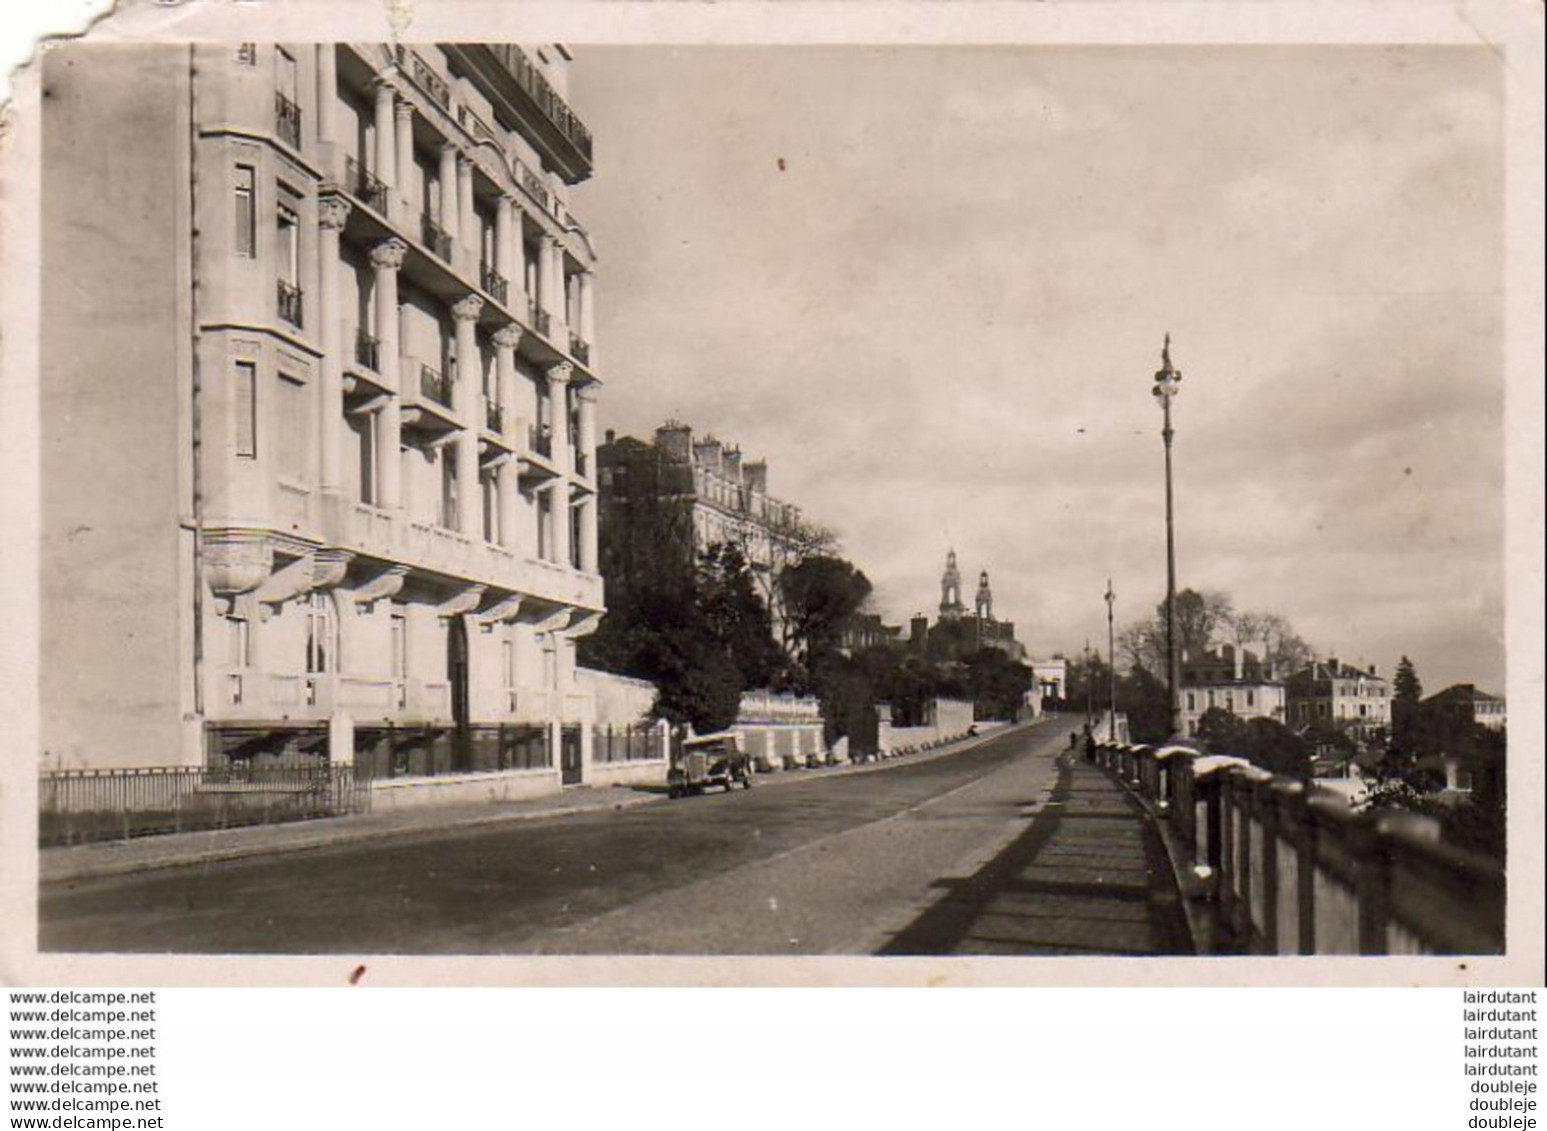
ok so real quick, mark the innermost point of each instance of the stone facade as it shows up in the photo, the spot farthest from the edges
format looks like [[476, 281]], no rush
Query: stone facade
[[1330, 691], [1234, 678], [318, 408]]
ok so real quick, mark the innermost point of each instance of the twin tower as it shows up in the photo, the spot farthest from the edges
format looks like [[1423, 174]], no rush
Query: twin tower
[[951, 607]]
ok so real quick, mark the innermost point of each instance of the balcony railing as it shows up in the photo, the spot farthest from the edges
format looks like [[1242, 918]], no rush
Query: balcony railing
[[287, 121], [367, 351], [554, 108], [539, 438], [364, 186], [435, 237], [290, 304], [426, 78], [436, 386], [580, 349], [542, 322], [493, 416], [494, 283]]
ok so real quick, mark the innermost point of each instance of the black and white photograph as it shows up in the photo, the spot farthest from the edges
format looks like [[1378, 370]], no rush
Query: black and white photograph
[[1021, 500]]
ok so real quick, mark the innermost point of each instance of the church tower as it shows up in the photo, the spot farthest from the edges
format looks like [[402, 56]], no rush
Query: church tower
[[951, 590], [985, 599]]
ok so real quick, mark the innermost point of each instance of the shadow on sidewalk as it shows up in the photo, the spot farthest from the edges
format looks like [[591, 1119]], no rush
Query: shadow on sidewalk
[[1088, 877]]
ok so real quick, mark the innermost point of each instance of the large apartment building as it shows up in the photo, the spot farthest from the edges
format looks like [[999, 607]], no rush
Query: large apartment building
[[318, 408]]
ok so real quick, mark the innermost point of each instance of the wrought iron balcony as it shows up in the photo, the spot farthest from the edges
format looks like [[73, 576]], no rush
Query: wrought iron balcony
[[554, 108], [494, 283], [542, 322], [539, 438], [580, 349], [493, 416], [435, 237], [368, 351], [290, 304], [287, 121], [436, 386], [364, 186]]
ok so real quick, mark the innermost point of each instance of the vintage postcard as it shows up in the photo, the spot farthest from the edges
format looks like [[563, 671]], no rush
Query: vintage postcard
[[851, 494]]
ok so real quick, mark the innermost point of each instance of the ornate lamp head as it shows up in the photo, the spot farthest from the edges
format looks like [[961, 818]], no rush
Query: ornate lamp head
[[1167, 377]]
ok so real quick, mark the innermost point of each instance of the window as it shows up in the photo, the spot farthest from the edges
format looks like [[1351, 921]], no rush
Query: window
[[244, 409], [247, 54], [319, 634], [368, 460], [291, 426], [1192, 704], [246, 190], [289, 265], [285, 73], [544, 524], [1251, 698], [490, 492], [448, 490]]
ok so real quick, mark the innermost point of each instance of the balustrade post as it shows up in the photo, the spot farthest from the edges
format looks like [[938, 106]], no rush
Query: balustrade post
[[1267, 820], [1373, 877]]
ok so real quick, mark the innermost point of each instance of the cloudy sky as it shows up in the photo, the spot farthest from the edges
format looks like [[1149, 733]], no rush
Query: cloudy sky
[[930, 286]]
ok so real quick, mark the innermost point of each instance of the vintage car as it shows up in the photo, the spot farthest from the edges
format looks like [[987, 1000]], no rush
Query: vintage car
[[707, 760]]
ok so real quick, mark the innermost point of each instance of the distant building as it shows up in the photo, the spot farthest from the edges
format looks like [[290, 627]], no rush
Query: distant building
[[1464, 700], [723, 498], [1330, 691], [957, 634], [865, 630], [1236, 679]]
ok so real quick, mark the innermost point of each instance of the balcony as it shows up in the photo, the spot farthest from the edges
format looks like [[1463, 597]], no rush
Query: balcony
[[522, 92], [287, 121], [364, 186], [542, 321], [290, 304], [424, 77], [367, 351], [580, 349], [539, 439], [493, 416], [534, 185], [494, 284], [436, 386], [435, 237]]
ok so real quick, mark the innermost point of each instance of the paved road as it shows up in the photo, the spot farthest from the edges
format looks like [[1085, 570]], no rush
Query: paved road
[[835, 864]]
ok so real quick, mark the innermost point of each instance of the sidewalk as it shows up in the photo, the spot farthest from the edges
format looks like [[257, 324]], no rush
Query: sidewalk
[[109, 858], [1089, 877]]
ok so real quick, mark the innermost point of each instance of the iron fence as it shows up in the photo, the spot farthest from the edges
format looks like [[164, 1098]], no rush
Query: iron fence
[[365, 186], [435, 237], [77, 806], [290, 303], [637, 743]]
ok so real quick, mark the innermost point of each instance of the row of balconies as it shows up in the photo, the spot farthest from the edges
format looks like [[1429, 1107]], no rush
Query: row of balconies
[[247, 694]]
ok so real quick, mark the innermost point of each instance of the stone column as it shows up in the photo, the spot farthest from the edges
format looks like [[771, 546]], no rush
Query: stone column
[[405, 161], [468, 235], [504, 221], [506, 340], [332, 214], [587, 329], [327, 93], [448, 191], [588, 544], [560, 299], [386, 138], [386, 258], [558, 413], [585, 429], [465, 397], [549, 291]]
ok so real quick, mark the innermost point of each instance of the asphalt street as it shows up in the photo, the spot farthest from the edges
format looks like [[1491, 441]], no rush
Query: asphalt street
[[812, 864]]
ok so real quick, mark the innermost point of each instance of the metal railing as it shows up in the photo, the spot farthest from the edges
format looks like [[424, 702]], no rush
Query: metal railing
[[539, 439], [436, 386], [287, 121], [580, 349], [76, 806], [1280, 867], [291, 306], [417, 751], [435, 237], [637, 743], [494, 283], [542, 322], [367, 351], [493, 416], [554, 108], [364, 185]]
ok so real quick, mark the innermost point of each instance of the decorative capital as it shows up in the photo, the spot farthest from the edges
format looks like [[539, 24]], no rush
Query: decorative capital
[[405, 109], [383, 84], [508, 337], [389, 253], [561, 373], [333, 212], [586, 394], [467, 308]]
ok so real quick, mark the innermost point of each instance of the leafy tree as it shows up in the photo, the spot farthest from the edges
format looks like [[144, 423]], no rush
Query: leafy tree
[[819, 594], [996, 684], [735, 615], [1287, 652], [1143, 698]]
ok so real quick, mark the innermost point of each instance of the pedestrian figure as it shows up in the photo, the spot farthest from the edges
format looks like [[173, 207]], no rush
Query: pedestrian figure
[[1090, 746]]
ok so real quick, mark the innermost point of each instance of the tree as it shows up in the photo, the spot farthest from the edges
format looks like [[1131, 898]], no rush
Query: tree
[[735, 615], [996, 684], [819, 594], [1287, 652], [1406, 706]]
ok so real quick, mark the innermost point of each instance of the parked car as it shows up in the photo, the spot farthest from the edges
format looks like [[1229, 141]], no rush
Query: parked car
[[709, 760]]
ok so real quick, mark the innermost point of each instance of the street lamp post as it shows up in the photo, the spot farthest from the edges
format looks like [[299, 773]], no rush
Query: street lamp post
[[1167, 380], [1090, 705], [1111, 667]]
